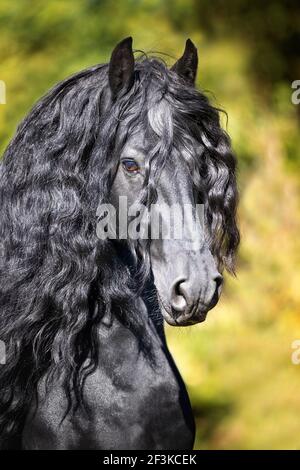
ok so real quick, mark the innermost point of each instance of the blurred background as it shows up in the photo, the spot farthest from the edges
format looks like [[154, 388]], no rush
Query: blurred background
[[244, 388]]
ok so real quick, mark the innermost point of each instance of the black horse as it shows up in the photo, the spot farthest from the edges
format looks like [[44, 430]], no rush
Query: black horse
[[87, 365]]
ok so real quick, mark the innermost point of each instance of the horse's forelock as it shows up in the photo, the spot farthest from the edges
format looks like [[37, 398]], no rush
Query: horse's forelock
[[180, 116]]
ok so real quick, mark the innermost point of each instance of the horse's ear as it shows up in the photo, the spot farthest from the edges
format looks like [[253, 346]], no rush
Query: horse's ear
[[186, 66], [121, 67]]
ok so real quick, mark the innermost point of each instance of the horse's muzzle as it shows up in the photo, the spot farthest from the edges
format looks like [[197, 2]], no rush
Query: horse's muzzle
[[187, 304]]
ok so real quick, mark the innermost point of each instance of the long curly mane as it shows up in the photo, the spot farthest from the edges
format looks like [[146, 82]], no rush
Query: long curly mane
[[57, 279]]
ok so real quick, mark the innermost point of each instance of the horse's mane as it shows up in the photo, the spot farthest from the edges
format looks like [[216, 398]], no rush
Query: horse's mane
[[57, 279]]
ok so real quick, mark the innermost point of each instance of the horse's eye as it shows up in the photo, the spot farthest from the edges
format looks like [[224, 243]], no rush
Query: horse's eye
[[131, 166]]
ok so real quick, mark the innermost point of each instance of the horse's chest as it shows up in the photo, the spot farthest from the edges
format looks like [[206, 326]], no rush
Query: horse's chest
[[142, 408], [130, 405]]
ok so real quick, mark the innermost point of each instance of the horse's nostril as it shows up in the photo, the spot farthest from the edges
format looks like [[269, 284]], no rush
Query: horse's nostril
[[218, 280], [184, 294], [179, 301]]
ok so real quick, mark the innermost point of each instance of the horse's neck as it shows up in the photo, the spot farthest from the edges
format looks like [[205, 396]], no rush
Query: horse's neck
[[149, 301], [133, 400], [149, 314]]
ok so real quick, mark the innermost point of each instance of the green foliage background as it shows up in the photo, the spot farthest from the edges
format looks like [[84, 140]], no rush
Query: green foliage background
[[244, 388]]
